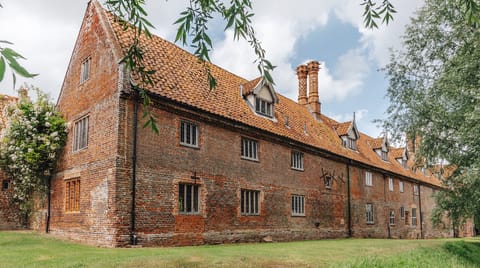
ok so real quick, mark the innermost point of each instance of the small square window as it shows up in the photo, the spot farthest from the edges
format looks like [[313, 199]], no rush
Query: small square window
[[85, 70], [297, 160], [263, 107], [298, 205], [5, 185], [80, 134], [187, 198], [328, 182], [188, 134], [368, 178], [384, 156], [249, 202], [249, 149]]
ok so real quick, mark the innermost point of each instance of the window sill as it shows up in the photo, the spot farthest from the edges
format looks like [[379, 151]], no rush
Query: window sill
[[79, 150], [248, 215], [189, 214], [297, 169], [250, 159], [190, 146], [370, 223], [298, 215]]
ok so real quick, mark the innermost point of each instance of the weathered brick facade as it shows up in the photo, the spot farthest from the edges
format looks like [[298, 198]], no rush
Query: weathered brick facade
[[9, 213], [330, 182]]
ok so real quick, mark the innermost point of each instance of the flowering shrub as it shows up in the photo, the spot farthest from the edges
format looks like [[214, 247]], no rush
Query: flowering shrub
[[30, 145]]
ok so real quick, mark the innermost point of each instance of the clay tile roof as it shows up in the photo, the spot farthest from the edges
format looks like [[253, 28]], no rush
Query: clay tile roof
[[342, 128], [180, 77], [247, 88], [376, 143], [397, 152]]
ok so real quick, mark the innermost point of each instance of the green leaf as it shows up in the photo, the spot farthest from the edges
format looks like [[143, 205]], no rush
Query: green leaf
[[2, 68]]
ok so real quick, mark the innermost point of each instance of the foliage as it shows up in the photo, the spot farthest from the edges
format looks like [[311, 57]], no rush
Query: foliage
[[434, 95], [10, 57], [30, 145]]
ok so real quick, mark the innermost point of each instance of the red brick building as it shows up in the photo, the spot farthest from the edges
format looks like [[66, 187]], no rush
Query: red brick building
[[234, 164]]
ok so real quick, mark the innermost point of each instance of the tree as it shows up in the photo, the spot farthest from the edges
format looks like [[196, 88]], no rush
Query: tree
[[434, 92], [30, 145]]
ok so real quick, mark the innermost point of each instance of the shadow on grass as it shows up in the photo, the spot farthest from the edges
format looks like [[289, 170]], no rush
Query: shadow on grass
[[465, 250]]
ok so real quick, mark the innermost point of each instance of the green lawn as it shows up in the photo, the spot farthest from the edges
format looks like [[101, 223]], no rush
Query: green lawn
[[27, 249]]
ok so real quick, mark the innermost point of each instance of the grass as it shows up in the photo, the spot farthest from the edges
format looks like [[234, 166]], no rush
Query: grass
[[28, 249]]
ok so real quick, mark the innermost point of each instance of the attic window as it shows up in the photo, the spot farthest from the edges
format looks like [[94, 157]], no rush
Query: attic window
[[349, 143], [404, 163], [263, 107], [85, 70], [384, 155]]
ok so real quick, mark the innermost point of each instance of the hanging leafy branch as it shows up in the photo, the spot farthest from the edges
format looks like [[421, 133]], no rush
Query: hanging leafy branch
[[10, 57], [433, 92]]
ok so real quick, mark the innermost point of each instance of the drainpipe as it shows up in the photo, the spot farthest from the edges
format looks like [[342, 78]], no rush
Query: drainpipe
[[49, 198], [133, 236], [349, 208], [420, 211]]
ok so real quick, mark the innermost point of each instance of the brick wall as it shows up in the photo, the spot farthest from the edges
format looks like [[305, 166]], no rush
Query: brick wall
[[96, 165]]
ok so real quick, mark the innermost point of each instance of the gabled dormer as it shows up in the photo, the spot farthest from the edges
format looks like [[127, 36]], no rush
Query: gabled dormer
[[381, 147], [260, 96], [404, 159], [349, 134]]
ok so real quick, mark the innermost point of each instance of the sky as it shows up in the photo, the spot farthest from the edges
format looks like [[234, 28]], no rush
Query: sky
[[292, 33]]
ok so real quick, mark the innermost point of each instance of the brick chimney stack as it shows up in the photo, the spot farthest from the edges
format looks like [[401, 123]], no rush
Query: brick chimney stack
[[313, 100], [302, 72]]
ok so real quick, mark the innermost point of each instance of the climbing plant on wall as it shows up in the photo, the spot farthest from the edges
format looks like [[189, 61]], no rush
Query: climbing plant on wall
[[30, 145]]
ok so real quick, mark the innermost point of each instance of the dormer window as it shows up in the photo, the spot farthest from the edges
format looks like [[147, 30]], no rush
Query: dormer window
[[404, 163], [349, 134], [263, 107], [260, 97], [384, 156]]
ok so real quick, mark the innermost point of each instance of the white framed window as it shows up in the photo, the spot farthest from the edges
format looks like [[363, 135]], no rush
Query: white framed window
[[392, 217], [297, 160], [400, 186], [368, 178], [80, 134], [369, 213], [249, 202], [414, 216], [415, 190], [263, 107], [328, 182], [351, 144], [249, 149], [384, 155], [187, 198], [85, 70], [298, 205], [188, 134], [390, 184], [402, 212], [404, 163]]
